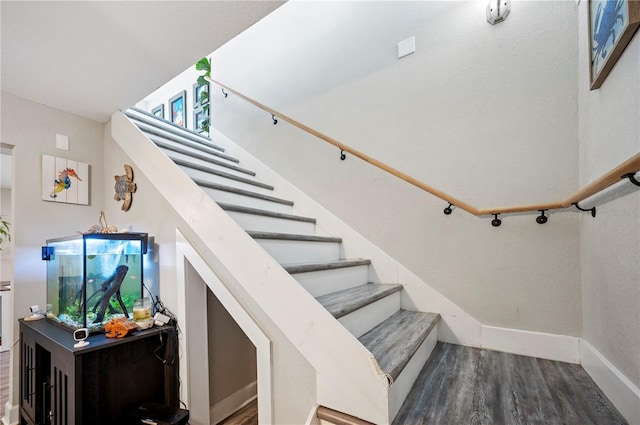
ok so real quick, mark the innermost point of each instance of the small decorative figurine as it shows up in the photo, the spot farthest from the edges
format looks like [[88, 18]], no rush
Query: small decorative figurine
[[119, 327], [125, 187], [102, 228]]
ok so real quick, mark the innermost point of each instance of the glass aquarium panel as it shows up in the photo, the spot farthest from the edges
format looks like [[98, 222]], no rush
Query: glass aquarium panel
[[65, 276], [94, 278]]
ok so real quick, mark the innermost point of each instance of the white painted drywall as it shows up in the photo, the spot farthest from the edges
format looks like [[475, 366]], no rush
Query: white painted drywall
[[6, 255], [232, 356], [485, 113], [183, 81], [610, 244], [31, 128], [6, 263]]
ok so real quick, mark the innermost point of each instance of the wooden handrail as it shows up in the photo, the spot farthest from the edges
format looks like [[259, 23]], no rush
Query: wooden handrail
[[630, 166], [339, 418]]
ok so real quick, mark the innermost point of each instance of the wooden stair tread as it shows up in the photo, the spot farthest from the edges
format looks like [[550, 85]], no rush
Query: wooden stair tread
[[293, 237], [219, 173], [201, 157], [243, 192], [148, 118], [166, 144], [349, 300], [266, 213], [314, 267], [395, 340]]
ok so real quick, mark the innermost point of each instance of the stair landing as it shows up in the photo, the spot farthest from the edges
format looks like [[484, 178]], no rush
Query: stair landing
[[463, 385]]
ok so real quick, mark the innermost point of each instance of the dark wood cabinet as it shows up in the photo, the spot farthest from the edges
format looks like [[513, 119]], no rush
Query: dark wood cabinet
[[96, 384]]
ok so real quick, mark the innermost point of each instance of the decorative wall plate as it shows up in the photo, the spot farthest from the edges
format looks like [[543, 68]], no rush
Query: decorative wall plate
[[125, 187]]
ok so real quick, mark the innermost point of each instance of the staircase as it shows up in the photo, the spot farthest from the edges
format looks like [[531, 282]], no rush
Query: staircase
[[401, 341]]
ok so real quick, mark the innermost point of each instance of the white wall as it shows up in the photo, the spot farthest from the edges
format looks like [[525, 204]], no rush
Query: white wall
[[610, 244], [6, 272], [31, 127], [485, 113], [183, 81], [6, 268], [232, 356]]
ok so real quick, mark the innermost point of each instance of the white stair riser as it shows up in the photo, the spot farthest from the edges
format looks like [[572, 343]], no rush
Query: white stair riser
[[327, 281], [190, 145], [261, 223], [247, 201], [402, 385], [212, 178], [290, 252], [160, 127], [364, 319], [192, 160]]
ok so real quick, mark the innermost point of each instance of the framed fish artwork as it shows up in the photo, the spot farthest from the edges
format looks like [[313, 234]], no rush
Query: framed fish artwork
[[198, 120], [65, 180], [177, 109], [199, 97], [158, 111], [612, 24]]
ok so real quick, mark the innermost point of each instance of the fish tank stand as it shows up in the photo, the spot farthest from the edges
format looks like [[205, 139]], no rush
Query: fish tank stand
[[96, 384]]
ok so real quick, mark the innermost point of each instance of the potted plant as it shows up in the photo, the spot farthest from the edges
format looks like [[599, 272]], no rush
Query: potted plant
[[204, 64], [5, 234]]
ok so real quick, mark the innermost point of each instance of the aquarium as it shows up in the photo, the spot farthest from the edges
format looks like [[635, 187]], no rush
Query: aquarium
[[93, 278]]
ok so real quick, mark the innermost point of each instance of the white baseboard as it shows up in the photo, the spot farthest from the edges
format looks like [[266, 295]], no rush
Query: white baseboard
[[527, 343], [234, 402], [624, 395], [10, 414], [312, 418]]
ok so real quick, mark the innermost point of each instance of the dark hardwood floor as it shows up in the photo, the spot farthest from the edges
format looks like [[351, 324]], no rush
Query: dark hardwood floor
[[461, 385], [248, 415], [4, 380]]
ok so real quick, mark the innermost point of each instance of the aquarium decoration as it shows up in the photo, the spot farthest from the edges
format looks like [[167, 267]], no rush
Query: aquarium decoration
[[65, 180], [110, 288], [125, 187], [103, 227], [93, 278], [119, 327]]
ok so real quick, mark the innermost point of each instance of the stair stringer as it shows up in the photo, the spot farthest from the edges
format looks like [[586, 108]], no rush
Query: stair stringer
[[456, 326], [347, 375]]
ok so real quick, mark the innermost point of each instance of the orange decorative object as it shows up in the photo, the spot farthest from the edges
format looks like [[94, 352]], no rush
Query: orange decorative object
[[119, 327]]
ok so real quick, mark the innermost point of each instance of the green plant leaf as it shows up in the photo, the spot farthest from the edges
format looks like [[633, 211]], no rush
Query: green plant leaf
[[204, 64], [5, 232]]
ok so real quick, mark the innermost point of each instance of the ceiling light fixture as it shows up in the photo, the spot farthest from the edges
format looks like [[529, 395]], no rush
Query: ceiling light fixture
[[498, 10]]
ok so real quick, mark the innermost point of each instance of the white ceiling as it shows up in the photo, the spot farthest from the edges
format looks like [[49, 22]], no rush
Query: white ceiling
[[92, 58]]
